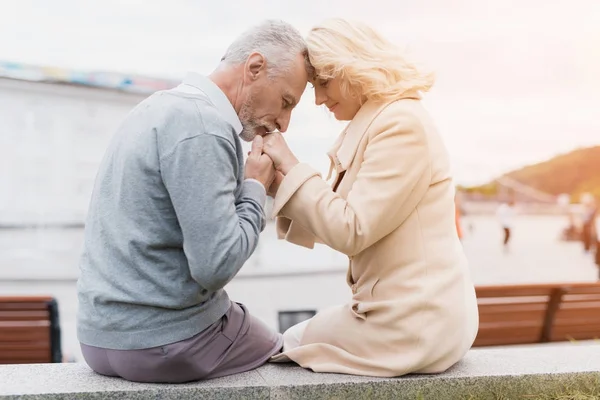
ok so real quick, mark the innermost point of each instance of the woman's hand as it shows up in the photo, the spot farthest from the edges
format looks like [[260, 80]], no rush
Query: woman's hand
[[276, 148], [274, 188]]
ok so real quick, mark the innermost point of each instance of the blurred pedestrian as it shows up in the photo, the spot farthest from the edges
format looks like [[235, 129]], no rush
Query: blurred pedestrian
[[506, 214]]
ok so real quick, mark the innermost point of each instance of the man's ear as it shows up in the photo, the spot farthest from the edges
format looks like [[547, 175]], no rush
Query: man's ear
[[256, 65]]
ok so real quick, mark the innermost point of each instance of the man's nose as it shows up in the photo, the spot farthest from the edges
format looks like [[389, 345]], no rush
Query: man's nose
[[283, 122]]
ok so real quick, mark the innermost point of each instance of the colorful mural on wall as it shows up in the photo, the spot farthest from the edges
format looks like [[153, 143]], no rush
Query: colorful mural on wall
[[109, 80]]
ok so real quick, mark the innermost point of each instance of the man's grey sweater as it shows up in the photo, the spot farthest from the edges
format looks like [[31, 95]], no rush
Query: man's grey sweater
[[170, 223]]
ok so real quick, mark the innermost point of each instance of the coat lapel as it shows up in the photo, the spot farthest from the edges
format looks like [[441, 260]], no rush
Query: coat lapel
[[343, 151]]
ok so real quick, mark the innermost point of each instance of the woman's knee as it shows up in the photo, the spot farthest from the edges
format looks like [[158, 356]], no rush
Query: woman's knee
[[292, 337]]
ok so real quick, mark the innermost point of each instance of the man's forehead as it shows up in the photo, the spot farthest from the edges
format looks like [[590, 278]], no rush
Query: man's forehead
[[299, 74], [294, 82]]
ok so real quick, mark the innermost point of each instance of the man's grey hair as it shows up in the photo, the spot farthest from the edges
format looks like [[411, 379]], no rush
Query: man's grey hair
[[279, 42]]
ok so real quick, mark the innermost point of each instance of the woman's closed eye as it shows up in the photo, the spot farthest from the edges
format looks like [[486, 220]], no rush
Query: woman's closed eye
[[323, 82], [320, 82]]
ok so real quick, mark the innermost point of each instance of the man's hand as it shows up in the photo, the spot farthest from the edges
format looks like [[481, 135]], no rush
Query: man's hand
[[259, 166], [276, 148], [275, 185]]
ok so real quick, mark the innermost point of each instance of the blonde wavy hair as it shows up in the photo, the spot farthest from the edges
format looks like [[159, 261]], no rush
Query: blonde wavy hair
[[368, 65]]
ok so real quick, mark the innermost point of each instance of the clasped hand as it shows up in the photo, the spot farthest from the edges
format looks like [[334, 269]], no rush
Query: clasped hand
[[269, 160]]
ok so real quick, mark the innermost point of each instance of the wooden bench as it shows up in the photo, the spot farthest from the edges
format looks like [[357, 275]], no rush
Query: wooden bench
[[29, 330], [527, 314]]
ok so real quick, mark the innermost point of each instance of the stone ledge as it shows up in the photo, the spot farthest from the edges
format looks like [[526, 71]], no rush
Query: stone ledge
[[499, 373]]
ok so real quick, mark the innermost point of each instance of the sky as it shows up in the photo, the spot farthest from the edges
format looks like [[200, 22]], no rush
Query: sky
[[517, 81]]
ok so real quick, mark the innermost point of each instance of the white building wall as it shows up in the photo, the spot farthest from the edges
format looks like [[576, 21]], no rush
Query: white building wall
[[53, 137], [268, 295]]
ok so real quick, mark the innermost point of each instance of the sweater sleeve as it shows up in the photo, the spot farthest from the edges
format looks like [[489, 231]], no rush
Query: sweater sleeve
[[220, 232]]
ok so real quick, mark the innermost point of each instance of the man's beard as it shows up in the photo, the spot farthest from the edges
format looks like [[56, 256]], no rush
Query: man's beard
[[250, 124], [249, 129]]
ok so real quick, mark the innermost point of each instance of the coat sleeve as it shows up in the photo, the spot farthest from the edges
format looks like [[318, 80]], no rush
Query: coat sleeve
[[392, 179], [295, 233]]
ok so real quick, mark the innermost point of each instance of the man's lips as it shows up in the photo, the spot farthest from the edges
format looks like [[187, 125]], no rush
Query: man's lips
[[262, 131]]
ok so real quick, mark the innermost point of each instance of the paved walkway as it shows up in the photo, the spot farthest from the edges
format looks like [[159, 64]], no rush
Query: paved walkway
[[535, 254]]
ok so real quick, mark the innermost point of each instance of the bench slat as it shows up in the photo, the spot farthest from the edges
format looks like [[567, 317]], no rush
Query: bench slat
[[580, 305], [29, 330], [23, 315], [21, 346], [23, 306], [512, 291], [593, 328], [567, 316], [522, 314], [26, 334], [514, 337], [514, 305], [25, 356]]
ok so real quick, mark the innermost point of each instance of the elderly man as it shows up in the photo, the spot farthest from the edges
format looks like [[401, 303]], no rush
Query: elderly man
[[175, 214]]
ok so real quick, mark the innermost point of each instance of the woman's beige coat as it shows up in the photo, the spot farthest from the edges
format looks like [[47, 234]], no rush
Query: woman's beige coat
[[413, 306]]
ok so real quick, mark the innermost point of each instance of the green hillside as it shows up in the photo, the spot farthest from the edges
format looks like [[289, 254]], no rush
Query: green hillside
[[574, 173]]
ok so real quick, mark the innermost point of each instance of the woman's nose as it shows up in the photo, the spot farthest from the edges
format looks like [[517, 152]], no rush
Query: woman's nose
[[320, 97]]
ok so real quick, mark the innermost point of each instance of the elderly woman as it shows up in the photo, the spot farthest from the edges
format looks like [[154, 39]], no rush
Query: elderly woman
[[390, 210]]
